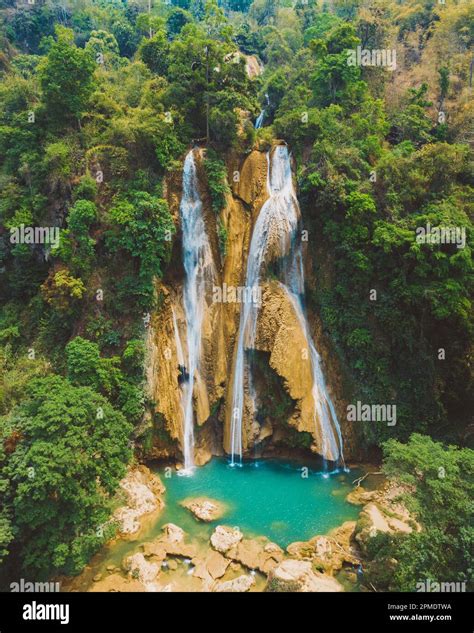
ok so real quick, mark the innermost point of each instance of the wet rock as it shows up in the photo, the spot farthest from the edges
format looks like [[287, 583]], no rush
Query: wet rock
[[140, 569], [155, 549], [224, 537], [204, 509], [216, 564], [256, 554], [241, 584]]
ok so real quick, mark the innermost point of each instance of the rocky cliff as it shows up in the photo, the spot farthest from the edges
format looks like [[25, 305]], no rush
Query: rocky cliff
[[285, 419]]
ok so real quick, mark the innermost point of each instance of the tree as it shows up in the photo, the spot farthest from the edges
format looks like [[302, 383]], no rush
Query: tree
[[103, 47], [66, 77], [63, 472], [154, 52], [441, 483], [142, 226]]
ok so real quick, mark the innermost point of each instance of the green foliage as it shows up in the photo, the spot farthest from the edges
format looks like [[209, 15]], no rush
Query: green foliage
[[441, 483], [154, 52], [85, 367], [66, 77], [216, 173], [71, 453], [142, 227]]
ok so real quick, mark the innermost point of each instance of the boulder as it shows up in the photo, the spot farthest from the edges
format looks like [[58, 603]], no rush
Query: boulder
[[298, 576], [173, 533], [143, 491], [224, 537], [256, 553], [328, 553], [140, 569], [239, 584], [204, 509]]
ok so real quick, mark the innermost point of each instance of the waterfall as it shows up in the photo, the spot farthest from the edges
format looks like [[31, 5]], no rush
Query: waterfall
[[261, 116], [200, 276], [276, 228]]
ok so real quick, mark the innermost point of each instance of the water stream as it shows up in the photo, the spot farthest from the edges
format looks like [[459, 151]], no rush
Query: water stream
[[261, 116], [200, 276], [276, 229]]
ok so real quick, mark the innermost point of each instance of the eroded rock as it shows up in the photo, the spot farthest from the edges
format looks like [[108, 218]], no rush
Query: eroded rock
[[225, 537], [240, 584], [204, 509], [143, 490], [298, 576]]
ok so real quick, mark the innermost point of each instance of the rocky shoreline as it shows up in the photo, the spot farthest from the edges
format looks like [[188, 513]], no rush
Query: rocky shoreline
[[230, 561]]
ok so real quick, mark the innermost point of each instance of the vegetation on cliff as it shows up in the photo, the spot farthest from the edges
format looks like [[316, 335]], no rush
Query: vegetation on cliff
[[98, 102]]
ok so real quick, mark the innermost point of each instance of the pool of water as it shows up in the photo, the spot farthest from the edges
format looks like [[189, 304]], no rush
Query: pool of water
[[282, 501], [263, 498]]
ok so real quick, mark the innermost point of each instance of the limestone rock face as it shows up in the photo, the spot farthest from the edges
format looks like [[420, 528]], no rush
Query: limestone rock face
[[298, 576], [143, 491], [224, 537], [282, 335], [279, 331], [251, 186]]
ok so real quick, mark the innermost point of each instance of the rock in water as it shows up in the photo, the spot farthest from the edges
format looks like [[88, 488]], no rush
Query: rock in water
[[204, 509], [224, 537]]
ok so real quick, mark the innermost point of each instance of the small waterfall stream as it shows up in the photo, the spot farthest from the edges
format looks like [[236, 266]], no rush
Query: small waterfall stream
[[261, 116], [277, 228], [200, 275]]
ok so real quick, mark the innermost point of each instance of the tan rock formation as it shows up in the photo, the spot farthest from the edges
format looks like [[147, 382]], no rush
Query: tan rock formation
[[240, 584], [279, 331], [328, 553], [143, 490], [204, 509], [298, 576], [225, 537], [257, 553]]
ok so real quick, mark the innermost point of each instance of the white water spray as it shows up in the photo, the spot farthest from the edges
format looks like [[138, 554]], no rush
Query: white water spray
[[199, 279], [277, 226]]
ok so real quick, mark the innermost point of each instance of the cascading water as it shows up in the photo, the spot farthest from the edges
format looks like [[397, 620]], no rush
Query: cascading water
[[276, 228], [199, 279], [261, 116]]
